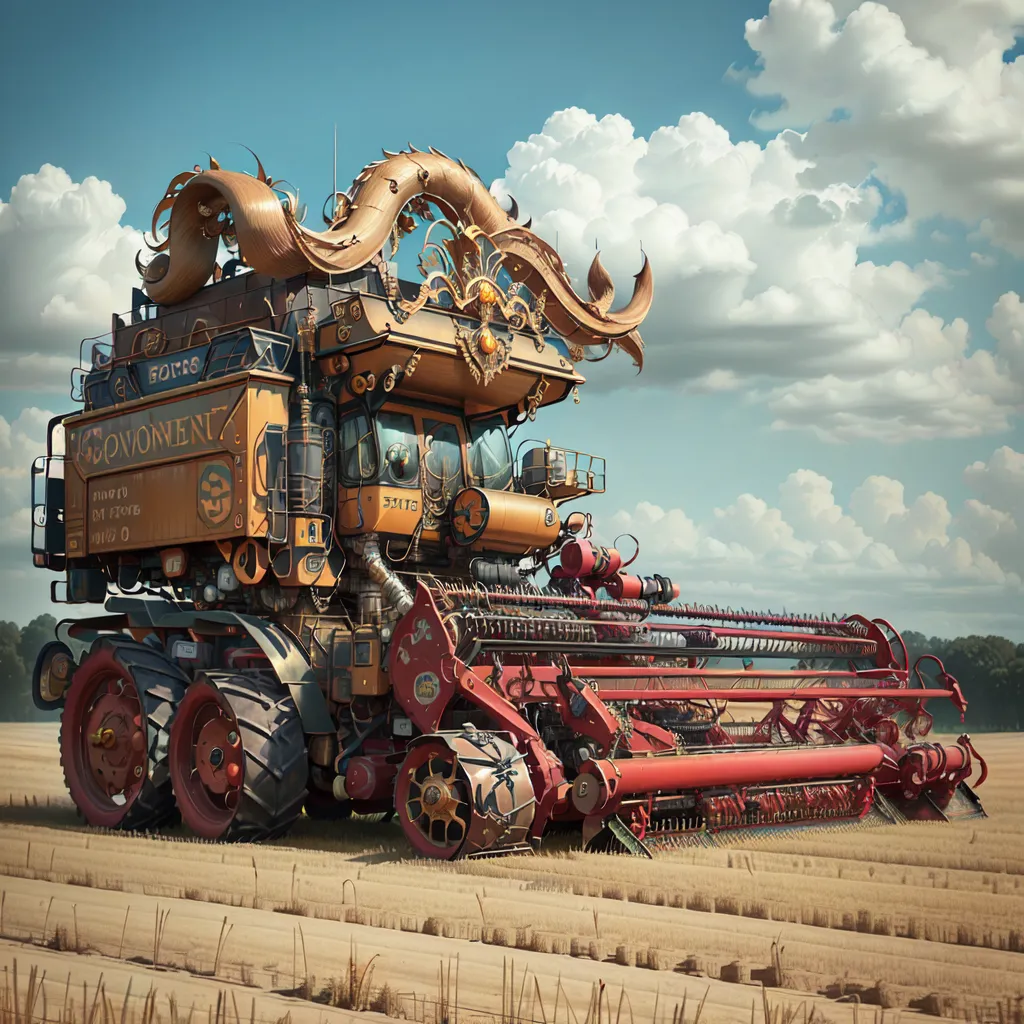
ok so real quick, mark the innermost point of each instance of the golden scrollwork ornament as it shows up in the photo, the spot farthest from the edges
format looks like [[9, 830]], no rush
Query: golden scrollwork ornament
[[486, 353], [463, 270]]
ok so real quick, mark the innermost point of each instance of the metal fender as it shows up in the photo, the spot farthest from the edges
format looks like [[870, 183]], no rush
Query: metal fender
[[284, 652]]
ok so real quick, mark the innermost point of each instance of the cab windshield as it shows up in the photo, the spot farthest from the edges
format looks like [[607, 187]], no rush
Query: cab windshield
[[490, 458]]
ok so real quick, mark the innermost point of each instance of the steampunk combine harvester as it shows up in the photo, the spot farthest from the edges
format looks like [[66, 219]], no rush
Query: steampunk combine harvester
[[331, 585]]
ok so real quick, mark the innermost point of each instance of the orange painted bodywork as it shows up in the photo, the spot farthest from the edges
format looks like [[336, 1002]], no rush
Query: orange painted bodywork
[[172, 469]]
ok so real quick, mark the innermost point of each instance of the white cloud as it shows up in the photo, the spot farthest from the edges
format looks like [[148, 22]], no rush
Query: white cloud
[[21, 441], [910, 561], [929, 107], [756, 249], [66, 264], [995, 523], [758, 279]]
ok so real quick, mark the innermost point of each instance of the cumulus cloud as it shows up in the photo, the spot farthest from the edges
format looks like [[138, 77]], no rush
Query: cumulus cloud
[[995, 521], [758, 279], [910, 560], [66, 263], [758, 251], [21, 441], [917, 94]]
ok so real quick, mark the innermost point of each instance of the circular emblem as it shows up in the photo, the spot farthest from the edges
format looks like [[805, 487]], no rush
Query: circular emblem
[[470, 513], [549, 517], [151, 341], [216, 489], [426, 688]]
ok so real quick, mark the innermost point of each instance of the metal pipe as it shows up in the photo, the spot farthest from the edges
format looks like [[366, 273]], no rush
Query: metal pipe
[[682, 672], [841, 628], [754, 696], [394, 591], [792, 636], [602, 785]]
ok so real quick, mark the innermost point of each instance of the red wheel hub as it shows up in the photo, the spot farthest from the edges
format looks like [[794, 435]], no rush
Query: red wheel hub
[[218, 754], [103, 741], [116, 742], [207, 761]]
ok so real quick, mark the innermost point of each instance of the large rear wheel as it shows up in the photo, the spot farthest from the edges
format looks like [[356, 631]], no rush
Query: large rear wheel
[[114, 734], [238, 758]]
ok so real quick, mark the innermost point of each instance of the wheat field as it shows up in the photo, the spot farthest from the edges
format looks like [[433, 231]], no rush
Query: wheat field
[[924, 918]]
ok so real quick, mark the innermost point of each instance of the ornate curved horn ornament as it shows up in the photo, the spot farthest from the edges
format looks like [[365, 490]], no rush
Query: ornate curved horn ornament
[[271, 241]]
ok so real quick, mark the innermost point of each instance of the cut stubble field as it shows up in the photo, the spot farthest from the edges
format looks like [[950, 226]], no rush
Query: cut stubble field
[[927, 916]]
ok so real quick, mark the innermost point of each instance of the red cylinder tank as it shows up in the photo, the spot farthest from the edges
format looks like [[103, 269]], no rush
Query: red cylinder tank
[[581, 558], [601, 785]]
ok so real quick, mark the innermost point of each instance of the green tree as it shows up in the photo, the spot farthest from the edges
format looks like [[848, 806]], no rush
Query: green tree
[[39, 632], [15, 696]]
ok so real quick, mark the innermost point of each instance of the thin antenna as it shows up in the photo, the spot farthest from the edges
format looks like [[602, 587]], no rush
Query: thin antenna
[[595, 244], [556, 241], [334, 193]]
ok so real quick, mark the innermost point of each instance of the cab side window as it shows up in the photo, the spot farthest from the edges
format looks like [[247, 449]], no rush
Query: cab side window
[[490, 457], [358, 454]]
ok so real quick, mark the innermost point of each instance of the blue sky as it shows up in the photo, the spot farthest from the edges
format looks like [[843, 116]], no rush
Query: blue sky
[[130, 96]]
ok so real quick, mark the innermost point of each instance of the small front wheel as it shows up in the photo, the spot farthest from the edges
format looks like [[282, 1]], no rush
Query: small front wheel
[[461, 794]]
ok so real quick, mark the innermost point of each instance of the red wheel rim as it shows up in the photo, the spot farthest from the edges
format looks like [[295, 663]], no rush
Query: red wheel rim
[[433, 803], [207, 761], [104, 741]]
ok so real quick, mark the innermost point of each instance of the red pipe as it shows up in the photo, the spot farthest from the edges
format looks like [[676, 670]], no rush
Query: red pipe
[[682, 672], [748, 693], [601, 785], [926, 765]]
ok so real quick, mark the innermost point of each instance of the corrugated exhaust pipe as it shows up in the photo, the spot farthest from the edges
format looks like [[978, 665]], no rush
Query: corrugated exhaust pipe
[[393, 590]]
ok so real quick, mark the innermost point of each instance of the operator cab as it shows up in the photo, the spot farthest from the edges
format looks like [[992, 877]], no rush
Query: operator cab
[[410, 460]]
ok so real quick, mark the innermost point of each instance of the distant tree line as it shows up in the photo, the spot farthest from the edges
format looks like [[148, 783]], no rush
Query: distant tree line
[[990, 670], [18, 650]]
